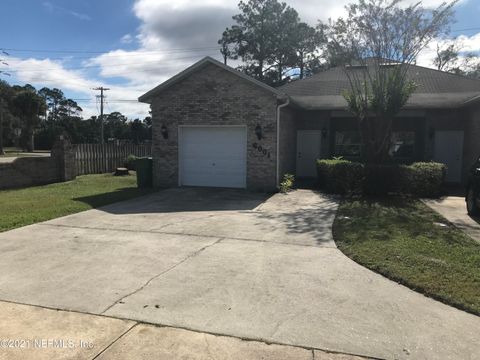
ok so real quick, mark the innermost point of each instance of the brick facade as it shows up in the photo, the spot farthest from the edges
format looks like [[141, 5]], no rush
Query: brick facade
[[214, 96], [210, 94], [288, 142]]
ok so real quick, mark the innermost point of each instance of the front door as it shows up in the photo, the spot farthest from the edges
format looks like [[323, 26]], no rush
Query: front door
[[308, 151], [448, 150]]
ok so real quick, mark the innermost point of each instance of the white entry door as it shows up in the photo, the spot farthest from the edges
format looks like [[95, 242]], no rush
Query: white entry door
[[449, 150], [213, 156], [308, 151]]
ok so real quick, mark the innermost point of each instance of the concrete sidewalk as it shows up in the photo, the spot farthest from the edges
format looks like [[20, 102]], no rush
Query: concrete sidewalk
[[30, 332], [454, 210]]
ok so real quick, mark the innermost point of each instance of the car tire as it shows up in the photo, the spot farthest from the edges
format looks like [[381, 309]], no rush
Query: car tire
[[472, 207]]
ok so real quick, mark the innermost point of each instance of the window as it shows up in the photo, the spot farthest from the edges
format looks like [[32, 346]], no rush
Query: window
[[402, 145], [348, 144]]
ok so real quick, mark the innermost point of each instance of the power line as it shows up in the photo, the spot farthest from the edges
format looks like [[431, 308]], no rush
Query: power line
[[102, 52], [75, 51], [467, 29], [108, 66], [128, 54]]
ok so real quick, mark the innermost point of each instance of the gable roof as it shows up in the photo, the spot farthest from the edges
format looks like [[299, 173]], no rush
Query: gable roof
[[198, 66], [436, 89]]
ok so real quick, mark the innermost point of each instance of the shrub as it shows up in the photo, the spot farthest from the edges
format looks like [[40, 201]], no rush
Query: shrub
[[130, 162], [287, 183], [339, 176], [380, 179], [424, 179]]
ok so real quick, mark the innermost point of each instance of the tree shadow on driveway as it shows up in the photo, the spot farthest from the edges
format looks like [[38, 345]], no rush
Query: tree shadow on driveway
[[185, 199], [311, 214]]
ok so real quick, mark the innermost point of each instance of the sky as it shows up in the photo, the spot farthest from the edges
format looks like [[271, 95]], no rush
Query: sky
[[131, 46]]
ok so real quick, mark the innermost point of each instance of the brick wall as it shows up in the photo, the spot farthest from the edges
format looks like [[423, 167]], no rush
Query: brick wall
[[214, 96], [28, 171], [288, 141]]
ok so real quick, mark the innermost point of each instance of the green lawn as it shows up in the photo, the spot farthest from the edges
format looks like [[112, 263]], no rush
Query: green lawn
[[19, 207], [398, 237]]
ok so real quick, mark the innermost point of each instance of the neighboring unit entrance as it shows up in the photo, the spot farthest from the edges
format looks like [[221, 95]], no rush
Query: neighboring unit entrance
[[308, 151], [449, 150], [213, 156]]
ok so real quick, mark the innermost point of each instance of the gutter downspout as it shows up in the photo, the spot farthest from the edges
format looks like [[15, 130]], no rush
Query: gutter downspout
[[279, 107]]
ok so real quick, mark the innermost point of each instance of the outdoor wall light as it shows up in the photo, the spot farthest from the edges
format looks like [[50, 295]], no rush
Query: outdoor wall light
[[164, 131], [324, 132], [258, 132]]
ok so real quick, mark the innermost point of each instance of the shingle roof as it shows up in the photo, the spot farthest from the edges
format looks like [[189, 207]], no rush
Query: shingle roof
[[436, 89]]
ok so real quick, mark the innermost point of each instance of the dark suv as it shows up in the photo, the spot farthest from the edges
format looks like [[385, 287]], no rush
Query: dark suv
[[473, 189]]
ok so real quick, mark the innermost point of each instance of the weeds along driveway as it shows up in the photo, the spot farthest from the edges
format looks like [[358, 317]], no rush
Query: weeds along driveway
[[233, 263]]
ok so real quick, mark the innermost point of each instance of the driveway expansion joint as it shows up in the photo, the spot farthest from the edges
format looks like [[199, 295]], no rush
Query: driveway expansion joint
[[114, 341], [157, 325], [189, 234], [195, 253]]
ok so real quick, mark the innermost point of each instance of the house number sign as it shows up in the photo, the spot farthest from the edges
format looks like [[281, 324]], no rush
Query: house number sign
[[261, 150]]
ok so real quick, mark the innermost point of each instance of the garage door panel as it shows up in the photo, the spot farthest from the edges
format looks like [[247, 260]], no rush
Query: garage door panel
[[213, 156]]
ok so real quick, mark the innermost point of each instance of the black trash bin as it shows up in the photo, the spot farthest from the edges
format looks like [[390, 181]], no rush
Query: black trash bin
[[143, 166]]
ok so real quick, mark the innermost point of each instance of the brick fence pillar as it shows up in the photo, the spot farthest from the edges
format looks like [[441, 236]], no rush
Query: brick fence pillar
[[63, 153]]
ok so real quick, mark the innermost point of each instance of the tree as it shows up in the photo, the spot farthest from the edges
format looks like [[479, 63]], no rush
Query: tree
[[379, 40], [449, 58], [116, 126], [6, 94], [29, 106], [228, 38], [306, 42], [270, 40], [68, 108], [283, 56], [53, 98]]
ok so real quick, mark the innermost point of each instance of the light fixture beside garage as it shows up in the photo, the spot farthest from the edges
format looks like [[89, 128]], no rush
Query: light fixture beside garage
[[258, 132], [164, 131], [324, 132]]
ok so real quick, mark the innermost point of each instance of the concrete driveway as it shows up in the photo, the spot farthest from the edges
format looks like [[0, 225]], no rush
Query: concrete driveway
[[453, 208], [229, 263]]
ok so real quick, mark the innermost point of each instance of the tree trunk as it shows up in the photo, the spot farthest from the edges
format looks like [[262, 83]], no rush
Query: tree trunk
[[29, 137], [376, 135], [29, 141], [260, 70], [1, 132], [302, 66]]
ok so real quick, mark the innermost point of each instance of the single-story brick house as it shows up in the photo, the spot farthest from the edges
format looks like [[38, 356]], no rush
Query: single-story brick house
[[215, 126]]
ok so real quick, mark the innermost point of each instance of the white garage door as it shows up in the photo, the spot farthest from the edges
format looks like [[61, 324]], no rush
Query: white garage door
[[213, 156]]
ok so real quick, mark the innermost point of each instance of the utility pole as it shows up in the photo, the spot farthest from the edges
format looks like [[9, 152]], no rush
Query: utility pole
[[2, 72], [102, 97]]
